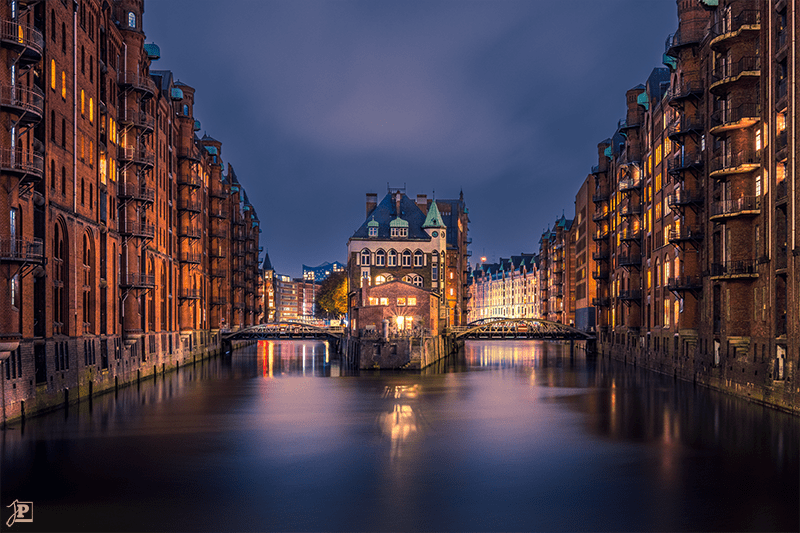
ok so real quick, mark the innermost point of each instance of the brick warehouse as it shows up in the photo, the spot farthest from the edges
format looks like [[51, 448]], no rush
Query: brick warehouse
[[129, 244]]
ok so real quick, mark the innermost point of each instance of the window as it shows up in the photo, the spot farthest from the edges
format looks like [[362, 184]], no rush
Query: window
[[373, 231], [380, 258], [435, 256], [418, 258], [63, 85], [53, 74], [413, 279], [365, 257], [392, 259], [83, 103], [412, 300], [399, 232], [131, 19], [435, 272], [401, 301], [384, 301], [373, 300], [406, 258]]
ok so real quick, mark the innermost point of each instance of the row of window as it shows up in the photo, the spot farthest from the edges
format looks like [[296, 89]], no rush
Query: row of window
[[390, 258], [401, 301]]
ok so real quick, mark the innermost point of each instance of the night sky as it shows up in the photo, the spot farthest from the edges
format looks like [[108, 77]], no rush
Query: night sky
[[319, 102]]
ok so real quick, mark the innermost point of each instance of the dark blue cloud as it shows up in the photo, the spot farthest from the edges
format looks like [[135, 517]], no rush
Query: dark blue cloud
[[317, 103]]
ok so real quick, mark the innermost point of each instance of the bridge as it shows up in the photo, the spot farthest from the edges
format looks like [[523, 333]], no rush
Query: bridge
[[286, 331], [499, 328]]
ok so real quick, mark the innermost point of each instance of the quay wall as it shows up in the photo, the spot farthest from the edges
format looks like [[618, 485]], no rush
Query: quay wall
[[732, 371], [408, 353], [93, 366]]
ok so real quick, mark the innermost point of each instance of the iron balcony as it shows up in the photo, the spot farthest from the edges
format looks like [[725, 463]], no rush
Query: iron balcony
[[27, 103], [737, 163], [734, 269], [21, 249], [744, 206], [743, 116], [28, 42]]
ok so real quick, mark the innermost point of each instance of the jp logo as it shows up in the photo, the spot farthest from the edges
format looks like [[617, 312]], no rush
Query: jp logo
[[20, 512]]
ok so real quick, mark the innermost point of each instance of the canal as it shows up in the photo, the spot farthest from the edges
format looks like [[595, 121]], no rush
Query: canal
[[507, 436]]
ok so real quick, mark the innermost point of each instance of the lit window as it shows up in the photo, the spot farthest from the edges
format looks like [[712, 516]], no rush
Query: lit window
[[131, 19], [91, 110], [83, 103], [434, 272], [53, 74], [384, 301], [401, 301], [63, 85], [412, 300], [373, 301]]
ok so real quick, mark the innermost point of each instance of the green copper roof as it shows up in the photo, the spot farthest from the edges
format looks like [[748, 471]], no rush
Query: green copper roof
[[642, 100], [152, 50], [670, 61], [177, 94], [398, 223], [434, 219], [211, 150], [196, 125], [372, 223], [607, 152]]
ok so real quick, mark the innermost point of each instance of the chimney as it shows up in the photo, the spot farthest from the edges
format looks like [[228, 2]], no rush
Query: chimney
[[372, 202], [422, 203], [397, 198]]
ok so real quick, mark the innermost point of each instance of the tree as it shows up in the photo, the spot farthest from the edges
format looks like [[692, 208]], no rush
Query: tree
[[332, 296]]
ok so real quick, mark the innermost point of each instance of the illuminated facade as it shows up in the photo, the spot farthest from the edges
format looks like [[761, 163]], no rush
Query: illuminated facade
[[508, 289]]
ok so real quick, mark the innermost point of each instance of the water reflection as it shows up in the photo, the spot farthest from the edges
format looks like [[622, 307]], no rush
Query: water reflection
[[507, 436]]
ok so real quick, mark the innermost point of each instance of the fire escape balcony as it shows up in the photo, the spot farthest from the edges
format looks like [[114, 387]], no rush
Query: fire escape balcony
[[685, 125], [189, 205], [21, 250], [632, 295], [739, 117], [691, 88], [190, 153], [141, 120], [218, 233], [137, 229], [744, 206], [136, 280], [189, 232], [217, 212], [218, 273], [217, 253], [737, 163], [189, 294], [138, 156], [630, 260], [682, 162], [28, 42], [734, 270], [600, 215], [685, 284], [681, 198], [190, 258], [190, 180], [623, 124], [129, 191], [27, 165], [629, 235], [600, 273], [747, 68], [685, 234], [27, 103], [629, 184], [238, 221], [596, 170], [600, 302], [238, 281], [729, 30], [630, 210], [136, 81], [218, 300], [219, 194], [601, 235], [601, 256], [681, 39], [600, 196]]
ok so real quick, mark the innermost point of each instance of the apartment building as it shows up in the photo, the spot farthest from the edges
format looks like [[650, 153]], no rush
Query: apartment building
[[127, 247]]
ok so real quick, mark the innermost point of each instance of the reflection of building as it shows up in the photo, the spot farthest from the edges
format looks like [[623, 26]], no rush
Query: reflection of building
[[406, 248], [270, 303], [321, 272]]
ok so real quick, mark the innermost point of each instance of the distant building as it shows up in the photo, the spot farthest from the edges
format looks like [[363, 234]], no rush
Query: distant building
[[321, 272], [507, 289]]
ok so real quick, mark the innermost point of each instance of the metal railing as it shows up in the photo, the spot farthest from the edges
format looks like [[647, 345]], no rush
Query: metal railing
[[136, 192], [683, 38], [138, 81], [747, 18], [25, 100], [189, 294], [735, 268], [629, 259], [681, 197], [134, 279], [726, 71], [22, 36], [686, 233], [192, 258], [691, 87], [745, 204], [186, 204], [22, 249], [729, 163], [741, 112], [21, 162], [685, 283], [137, 229], [630, 295]]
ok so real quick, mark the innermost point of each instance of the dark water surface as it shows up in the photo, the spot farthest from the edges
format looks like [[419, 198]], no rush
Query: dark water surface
[[510, 436]]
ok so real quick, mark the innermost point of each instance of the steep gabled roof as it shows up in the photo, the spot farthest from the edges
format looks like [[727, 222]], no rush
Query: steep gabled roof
[[386, 212], [434, 218]]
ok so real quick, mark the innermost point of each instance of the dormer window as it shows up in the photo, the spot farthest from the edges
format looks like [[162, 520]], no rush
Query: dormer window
[[373, 232], [399, 232], [131, 19]]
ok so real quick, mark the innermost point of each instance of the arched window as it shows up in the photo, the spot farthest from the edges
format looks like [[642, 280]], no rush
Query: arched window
[[364, 257], [667, 265], [406, 258], [658, 272], [435, 256], [60, 268], [186, 110], [380, 258], [131, 19], [383, 278], [365, 279], [414, 279], [88, 282], [391, 258], [418, 258]]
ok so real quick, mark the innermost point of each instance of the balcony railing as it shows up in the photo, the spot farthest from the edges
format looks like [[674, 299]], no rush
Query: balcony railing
[[218, 273], [681, 198], [600, 215], [630, 209], [185, 204], [140, 156], [630, 295], [189, 232], [729, 72], [137, 81], [600, 273], [739, 117], [137, 280], [683, 161], [735, 269], [600, 302], [21, 163], [190, 180], [728, 27], [629, 184], [686, 233], [191, 258], [685, 283], [746, 205], [600, 256], [137, 229], [630, 234], [691, 87], [736, 163], [218, 300], [21, 249], [26, 102], [28, 41], [628, 260], [600, 196], [191, 153], [601, 235], [682, 38], [135, 192], [684, 125]]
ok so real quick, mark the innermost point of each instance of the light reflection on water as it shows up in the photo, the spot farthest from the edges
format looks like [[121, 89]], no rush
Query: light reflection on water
[[508, 436]]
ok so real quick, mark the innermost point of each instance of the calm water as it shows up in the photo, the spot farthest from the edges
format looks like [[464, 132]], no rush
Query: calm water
[[509, 436]]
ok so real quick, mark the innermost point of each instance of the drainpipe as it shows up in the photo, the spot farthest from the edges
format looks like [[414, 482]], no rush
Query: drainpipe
[[75, 145], [794, 124]]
